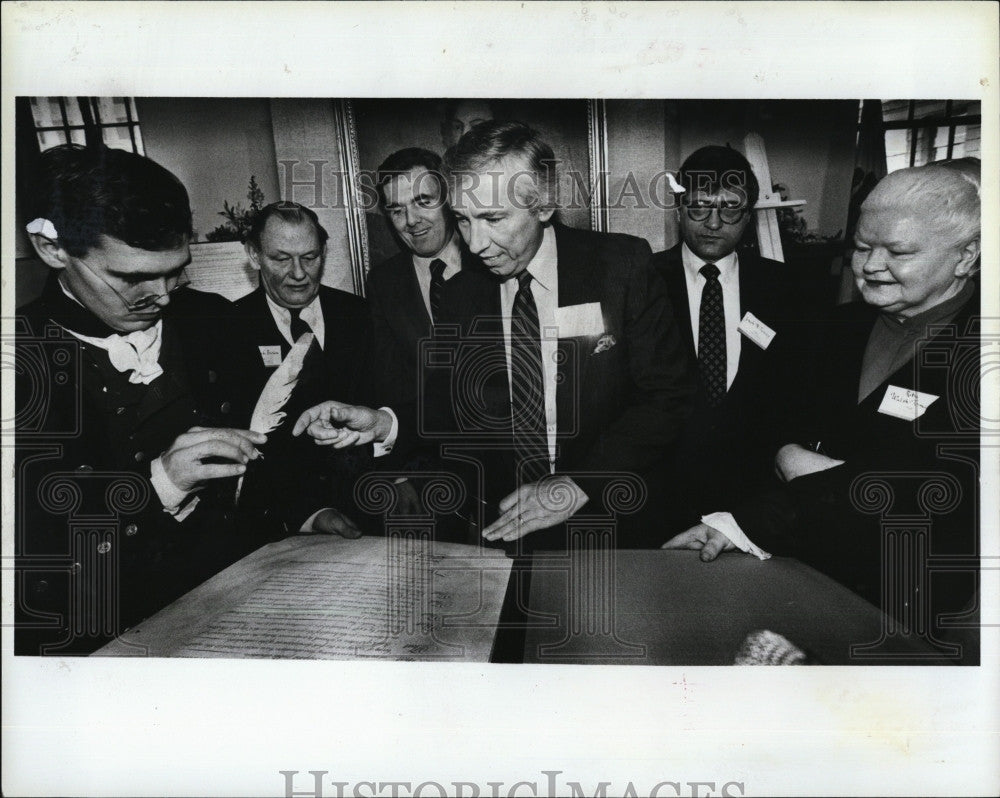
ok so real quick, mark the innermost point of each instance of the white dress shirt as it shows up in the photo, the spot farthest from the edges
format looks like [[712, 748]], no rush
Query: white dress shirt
[[729, 279], [451, 254], [545, 291], [312, 314]]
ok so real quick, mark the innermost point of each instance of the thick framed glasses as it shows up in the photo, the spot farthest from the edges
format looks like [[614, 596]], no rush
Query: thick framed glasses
[[147, 300], [699, 213]]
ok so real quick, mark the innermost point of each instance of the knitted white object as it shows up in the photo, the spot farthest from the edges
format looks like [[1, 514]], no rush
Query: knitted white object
[[764, 647]]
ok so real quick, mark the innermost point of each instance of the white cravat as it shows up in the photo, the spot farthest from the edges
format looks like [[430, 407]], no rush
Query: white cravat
[[137, 352]]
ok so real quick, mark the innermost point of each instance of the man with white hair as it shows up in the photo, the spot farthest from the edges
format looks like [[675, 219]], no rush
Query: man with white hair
[[569, 365], [892, 430]]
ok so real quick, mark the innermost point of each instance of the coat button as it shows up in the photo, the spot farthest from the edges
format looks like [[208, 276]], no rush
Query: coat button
[[132, 529], [75, 568], [212, 376], [140, 456], [119, 411], [103, 547], [40, 586], [84, 469], [225, 407]]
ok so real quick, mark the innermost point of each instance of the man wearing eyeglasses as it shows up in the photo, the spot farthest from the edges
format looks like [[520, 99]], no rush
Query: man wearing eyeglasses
[[738, 317], [122, 442]]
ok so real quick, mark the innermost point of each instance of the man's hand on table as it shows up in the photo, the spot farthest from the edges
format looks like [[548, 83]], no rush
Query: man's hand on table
[[793, 461], [539, 505], [334, 522], [184, 462], [341, 425], [702, 537]]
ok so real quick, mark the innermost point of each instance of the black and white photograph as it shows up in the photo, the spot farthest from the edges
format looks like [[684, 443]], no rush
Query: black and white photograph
[[358, 423]]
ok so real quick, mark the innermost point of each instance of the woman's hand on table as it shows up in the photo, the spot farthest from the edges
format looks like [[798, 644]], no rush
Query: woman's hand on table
[[710, 541]]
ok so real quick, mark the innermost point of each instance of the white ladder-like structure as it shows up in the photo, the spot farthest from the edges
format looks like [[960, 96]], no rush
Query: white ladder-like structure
[[768, 235]]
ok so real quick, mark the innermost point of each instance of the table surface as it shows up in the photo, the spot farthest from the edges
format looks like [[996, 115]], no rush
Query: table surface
[[669, 608], [622, 607]]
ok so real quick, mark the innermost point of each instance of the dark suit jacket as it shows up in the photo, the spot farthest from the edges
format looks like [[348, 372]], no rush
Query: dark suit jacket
[[296, 477], [921, 473], [618, 410], [399, 322], [726, 453], [95, 553]]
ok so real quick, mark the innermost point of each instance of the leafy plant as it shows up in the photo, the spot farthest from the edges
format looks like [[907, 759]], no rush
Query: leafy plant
[[238, 219], [792, 224]]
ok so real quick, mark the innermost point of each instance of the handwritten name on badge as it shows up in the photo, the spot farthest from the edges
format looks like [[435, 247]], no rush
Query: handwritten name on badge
[[271, 355], [904, 403], [580, 320], [754, 329]]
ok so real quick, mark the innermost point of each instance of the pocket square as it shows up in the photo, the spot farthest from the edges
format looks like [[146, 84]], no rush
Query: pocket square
[[604, 343]]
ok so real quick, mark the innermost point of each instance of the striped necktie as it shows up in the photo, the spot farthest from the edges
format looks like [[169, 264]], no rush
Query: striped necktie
[[437, 283], [531, 444]]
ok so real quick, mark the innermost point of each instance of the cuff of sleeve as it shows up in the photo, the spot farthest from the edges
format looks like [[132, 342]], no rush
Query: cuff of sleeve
[[726, 524], [383, 448], [171, 497], [307, 525]]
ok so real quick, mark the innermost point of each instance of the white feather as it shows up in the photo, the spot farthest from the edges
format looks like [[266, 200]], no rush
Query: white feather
[[268, 413]]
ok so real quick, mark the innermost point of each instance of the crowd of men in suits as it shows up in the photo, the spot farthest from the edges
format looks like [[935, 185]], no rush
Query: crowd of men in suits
[[545, 366]]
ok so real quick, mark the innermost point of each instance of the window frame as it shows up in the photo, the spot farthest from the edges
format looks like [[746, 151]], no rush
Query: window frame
[[93, 127], [947, 120]]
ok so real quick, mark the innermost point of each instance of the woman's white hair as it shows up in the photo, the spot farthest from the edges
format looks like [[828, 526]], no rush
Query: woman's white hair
[[943, 193]]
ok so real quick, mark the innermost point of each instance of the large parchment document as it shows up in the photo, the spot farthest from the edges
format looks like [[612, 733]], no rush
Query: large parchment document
[[324, 597]]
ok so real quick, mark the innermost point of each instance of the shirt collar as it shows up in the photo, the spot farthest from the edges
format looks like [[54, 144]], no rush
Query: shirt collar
[[312, 314], [692, 263], [451, 254], [544, 266]]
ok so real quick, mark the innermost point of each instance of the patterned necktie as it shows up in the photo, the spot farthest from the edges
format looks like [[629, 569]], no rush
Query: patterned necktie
[[437, 283], [531, 444], [712, 337], [298, 326]]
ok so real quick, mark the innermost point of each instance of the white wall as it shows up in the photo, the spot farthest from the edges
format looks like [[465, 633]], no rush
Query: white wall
[[810, 148], [213, 145]]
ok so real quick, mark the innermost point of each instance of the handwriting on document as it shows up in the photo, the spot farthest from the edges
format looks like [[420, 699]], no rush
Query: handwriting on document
[[319, 597]]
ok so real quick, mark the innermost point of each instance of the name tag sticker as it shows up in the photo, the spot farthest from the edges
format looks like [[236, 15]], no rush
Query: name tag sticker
[[906, 404], [271, 355], [574, 321], [758, 332]]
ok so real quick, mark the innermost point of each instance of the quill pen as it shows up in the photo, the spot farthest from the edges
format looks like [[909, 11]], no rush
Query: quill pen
[[268, 413]]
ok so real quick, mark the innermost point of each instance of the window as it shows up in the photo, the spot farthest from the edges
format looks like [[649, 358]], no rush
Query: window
[[87, 120], [922, 131]]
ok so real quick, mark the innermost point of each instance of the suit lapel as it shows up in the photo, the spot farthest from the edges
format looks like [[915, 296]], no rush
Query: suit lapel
[[755, 299], [265, 329], [677, 291], [579, 284], [411, 302]]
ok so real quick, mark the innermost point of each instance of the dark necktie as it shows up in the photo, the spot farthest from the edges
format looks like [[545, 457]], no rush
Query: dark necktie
[[437, 283], [712, 337], [298, 326], [531, 444]]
